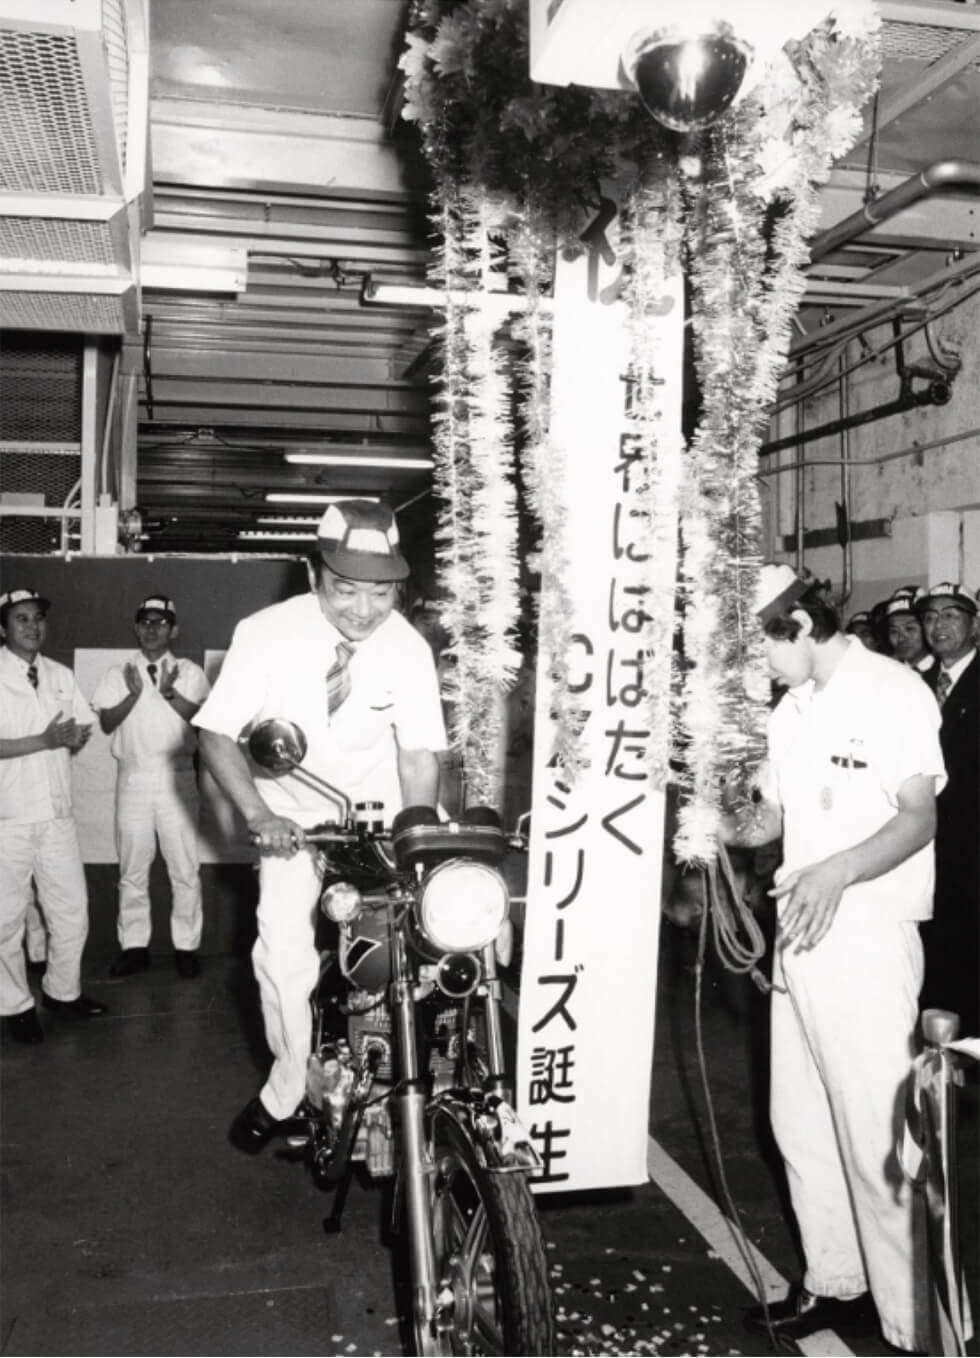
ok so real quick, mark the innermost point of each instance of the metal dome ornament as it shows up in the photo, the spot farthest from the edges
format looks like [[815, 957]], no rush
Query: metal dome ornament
[[688, 79]]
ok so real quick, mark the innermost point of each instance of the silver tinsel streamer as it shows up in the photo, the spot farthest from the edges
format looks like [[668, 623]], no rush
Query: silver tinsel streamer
[[477, 531], [651, 236], [543, 467]]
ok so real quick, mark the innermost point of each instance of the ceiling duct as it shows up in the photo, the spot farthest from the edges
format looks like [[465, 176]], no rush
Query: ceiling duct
[[74, 98], [951, 175]]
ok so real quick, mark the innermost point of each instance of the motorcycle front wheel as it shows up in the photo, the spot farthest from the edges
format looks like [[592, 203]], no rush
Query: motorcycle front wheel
[[488, 1253]]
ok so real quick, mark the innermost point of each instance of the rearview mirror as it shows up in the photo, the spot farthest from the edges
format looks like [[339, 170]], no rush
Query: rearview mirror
[[277, 745]]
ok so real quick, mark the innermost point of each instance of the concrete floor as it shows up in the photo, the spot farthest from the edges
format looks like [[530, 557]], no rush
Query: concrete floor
[[131, 1227]]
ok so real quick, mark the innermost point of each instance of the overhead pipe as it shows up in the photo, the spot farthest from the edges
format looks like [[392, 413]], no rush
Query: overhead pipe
[[943, 174], [937, 392]]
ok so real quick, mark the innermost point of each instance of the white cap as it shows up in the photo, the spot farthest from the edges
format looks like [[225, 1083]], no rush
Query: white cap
[[779, 587]]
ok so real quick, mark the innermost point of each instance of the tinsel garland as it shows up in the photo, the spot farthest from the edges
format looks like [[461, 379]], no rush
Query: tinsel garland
[[650, 238], [473, 475], [746, 284], [722, 698], [492, 137], [543, 466]]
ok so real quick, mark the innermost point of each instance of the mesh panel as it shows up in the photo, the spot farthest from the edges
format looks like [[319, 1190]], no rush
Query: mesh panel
[[53, 475], [20, 536], [40, 393], [40, 402], [117, 55], [57, 239], [48, 145], [87, 313], [918, 42]]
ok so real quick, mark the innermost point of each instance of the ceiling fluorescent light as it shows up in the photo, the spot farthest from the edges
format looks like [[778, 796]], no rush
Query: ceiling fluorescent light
[[493, 298], [287, 521], [404, 464], [377, 292], [271, 535], [288, 497]]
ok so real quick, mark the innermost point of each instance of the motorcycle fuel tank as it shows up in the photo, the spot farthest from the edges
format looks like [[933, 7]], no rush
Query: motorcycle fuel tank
[[365, 951]]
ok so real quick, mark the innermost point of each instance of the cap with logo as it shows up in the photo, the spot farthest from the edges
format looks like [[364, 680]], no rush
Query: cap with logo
[[904, 600], [157, 603], [948, 591], [862, 616], [778, 589], [358, 540], [21, 596]]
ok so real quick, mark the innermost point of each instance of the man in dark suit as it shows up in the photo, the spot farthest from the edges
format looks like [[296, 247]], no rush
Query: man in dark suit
[[952, 938]]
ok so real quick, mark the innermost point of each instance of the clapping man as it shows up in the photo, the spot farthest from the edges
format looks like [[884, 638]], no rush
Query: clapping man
[[146, 706], [44, 720]]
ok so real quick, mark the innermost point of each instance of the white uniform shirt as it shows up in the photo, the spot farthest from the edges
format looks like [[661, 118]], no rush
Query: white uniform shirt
[[839, 757], [153, 733], [36, 787], [277, 667]]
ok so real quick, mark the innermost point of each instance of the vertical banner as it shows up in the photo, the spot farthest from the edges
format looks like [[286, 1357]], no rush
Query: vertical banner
[[589, 977]]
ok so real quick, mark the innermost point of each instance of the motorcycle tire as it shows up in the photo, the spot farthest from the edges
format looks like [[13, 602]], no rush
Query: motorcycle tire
[[489, 1252]]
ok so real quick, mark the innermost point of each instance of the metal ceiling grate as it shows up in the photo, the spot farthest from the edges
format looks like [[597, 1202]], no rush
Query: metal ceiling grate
[[919, 42], [48, 144], [117, 59], [54, 240], [93, 313]]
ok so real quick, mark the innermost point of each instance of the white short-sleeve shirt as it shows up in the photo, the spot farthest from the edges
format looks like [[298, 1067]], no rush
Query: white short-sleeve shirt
[[277, 667], [838, 759], [36, 787], [153, 733]]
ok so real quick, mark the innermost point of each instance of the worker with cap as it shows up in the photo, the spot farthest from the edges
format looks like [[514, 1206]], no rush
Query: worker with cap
[[44, 720], [145, 706], [854, 766], [905, 635], [361, 683], [948, 611], [859, 625]]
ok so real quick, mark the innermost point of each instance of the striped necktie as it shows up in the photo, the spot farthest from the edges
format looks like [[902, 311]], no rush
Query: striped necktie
[[152, 672], [943, 685], [338, 677], [32, 675]]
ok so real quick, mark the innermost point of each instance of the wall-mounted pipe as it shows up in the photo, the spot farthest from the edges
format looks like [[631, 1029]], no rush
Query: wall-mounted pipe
[[943, 174], [937, 393]]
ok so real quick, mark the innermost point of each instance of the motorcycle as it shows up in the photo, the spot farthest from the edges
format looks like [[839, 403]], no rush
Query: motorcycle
[[407, 1073]]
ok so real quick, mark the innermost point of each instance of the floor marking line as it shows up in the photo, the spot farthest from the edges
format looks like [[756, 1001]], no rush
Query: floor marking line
[[710, 1222]]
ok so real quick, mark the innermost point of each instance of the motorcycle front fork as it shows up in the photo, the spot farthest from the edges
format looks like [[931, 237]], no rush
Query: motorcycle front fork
[[417, 1168]]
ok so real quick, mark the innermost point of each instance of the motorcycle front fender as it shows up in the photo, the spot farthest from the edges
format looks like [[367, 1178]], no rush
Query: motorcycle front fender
[[490, 1125]]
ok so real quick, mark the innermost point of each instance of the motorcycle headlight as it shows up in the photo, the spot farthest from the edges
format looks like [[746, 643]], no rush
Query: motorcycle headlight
[[463, 905], [341, 901]]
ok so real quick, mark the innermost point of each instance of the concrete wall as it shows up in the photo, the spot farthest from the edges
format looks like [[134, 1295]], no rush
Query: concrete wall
[[914, 479]]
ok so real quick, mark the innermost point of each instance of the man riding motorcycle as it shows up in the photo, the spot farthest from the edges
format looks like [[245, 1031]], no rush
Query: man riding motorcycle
[[362, 684]]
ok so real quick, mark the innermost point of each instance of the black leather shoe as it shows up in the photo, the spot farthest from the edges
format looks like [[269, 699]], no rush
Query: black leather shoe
[[129, 961], [801, 1313], [24, 1027], [82, 1007], [253, 1127], [188, 964]]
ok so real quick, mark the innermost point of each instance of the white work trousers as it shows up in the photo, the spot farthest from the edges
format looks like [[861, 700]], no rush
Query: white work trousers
[[158, 803], [36, 934], [842, 1047], [286, 967], [48, 852]]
